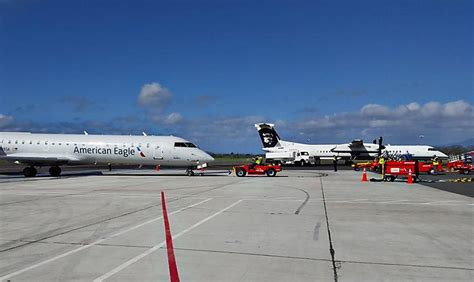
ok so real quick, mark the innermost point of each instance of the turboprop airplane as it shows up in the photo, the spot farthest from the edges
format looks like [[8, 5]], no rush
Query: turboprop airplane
[[357, 149], [73, 149]]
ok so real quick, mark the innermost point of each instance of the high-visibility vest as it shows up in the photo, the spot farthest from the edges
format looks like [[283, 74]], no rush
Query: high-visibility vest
[[258, 161], [381, 161]]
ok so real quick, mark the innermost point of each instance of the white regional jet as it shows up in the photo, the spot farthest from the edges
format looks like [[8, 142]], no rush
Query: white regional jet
[[73, 149], [357, 149]]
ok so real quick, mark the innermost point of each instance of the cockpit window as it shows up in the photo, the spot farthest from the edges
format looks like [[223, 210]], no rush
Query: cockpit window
[[432, 149], [183, 144]]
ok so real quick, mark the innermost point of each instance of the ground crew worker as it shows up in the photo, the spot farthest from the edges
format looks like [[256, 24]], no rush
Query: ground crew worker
[[435, 164], [256, 161], [334, 162], [382, 166]]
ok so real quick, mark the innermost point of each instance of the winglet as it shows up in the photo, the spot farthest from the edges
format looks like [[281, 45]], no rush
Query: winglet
[[85, 133]]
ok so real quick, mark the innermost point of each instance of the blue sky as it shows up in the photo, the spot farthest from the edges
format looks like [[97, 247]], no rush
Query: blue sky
[[323, 71]]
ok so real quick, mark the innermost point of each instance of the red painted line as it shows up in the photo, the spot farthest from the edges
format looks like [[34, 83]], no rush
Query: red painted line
[[174, 277]]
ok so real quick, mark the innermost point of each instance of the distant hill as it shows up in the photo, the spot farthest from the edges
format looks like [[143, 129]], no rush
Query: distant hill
[[457, 147], [465, 143]]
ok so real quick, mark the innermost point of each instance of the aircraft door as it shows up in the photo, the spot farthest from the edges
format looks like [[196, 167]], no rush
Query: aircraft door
[[158, 153]]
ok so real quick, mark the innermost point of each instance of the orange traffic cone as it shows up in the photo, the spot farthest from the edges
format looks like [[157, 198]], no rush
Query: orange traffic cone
[[364, 176], [410, 177]]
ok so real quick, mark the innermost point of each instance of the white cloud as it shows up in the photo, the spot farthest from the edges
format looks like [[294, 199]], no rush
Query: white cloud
[[5, 120], [431, 109], [171, 119], [154, 97], [440, 123], [374, 110], [457, 108]]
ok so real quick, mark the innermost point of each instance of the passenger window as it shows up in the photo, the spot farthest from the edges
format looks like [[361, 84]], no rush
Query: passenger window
[[148, 145], [31, 142], [59, 144], [23, 142], [16, 141], [9, 141]]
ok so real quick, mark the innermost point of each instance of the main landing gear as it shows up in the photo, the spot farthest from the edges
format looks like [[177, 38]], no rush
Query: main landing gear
[[31, 171]]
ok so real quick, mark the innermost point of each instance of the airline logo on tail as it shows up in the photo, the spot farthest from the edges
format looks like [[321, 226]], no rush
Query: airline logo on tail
[[268, 135]]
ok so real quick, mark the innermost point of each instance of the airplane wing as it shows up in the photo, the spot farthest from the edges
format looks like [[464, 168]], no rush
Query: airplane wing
[[356, 144], [38, 159]]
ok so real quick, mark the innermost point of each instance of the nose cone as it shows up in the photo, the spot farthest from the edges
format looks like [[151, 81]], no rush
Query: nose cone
[[205, 157]]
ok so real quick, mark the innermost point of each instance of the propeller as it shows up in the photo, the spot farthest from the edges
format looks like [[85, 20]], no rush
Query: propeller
[[381, 146]]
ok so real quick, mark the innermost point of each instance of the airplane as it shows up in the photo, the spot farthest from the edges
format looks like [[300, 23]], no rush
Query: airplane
[[55, 150], [357, 149]]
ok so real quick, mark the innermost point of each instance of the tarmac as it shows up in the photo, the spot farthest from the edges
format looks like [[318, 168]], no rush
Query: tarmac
[[302, 225]]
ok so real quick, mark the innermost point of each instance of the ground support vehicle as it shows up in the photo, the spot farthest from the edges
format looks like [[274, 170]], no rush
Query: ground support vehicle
[[394, 169], [370, 166], [466, 169], [269, 170], [292, 157], [429, 168]]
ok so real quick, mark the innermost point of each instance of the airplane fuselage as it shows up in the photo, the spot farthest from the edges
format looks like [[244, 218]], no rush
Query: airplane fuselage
[[71, 149], [344, 151]]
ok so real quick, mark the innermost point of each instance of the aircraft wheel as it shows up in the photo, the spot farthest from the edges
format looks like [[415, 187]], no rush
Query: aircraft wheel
[[271, 172], [190, 173], [29, 171], [240, 172], [55, 171]]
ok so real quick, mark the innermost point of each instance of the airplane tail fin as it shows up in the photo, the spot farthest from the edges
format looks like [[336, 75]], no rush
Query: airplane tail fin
[[268, 135]]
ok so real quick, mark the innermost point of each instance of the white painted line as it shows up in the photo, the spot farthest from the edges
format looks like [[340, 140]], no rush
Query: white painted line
[[392, 202], [156, 247], [274, 200], [95, 243], [438, 202]]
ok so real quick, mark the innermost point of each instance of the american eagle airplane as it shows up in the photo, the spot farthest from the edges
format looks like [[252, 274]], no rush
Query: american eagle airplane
[[356, 149], [72, 149]]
